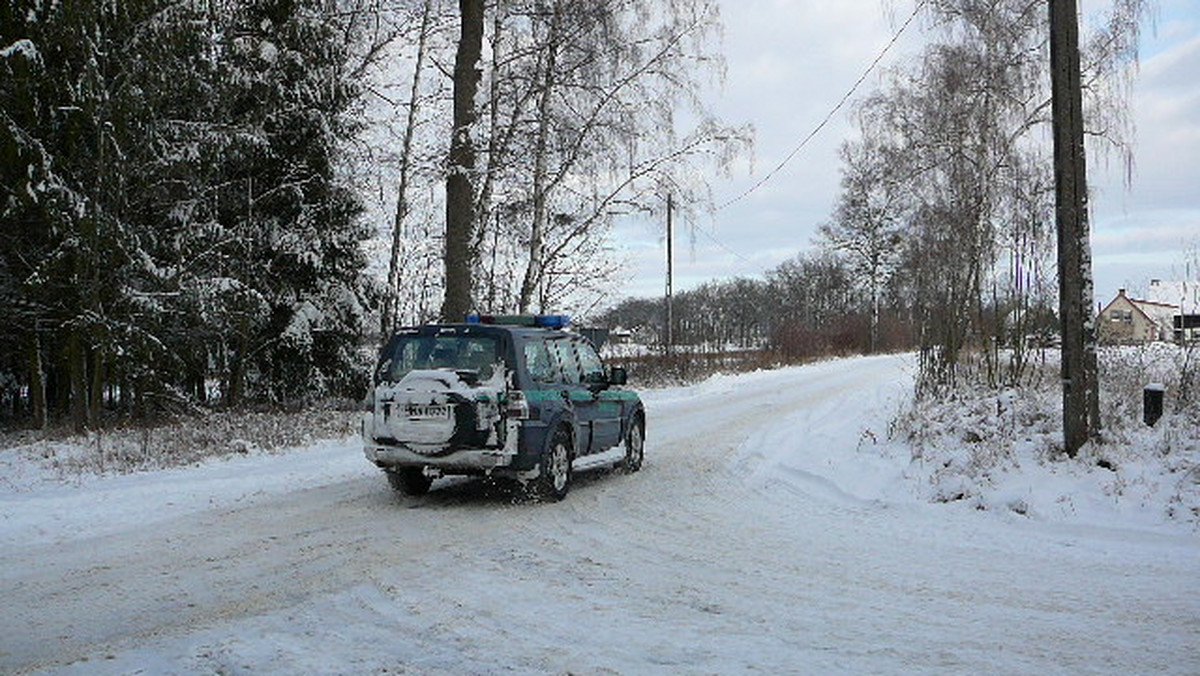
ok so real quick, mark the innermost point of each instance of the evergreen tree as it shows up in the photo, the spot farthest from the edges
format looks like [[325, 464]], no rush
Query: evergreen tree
[[172, 211]]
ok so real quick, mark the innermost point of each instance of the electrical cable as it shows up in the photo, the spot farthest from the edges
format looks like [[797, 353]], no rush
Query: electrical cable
[[696, 226], [832, 112]]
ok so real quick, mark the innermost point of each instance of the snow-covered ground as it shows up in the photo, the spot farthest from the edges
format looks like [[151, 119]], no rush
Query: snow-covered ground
[[773, 529]]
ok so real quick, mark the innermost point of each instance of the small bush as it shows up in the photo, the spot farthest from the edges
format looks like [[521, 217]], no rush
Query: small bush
[[184, 441]]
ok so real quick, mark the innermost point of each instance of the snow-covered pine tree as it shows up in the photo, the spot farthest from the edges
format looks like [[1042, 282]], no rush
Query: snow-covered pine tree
[[286, 283], [70, 129], [173, 214]]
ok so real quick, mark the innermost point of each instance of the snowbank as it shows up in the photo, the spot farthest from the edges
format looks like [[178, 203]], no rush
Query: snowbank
[[39, 505], [992, 451]]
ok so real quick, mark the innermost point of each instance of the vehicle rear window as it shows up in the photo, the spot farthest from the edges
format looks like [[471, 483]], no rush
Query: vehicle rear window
[[456, 353]]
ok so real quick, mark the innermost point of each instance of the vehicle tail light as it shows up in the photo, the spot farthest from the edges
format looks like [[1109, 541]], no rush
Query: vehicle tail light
[[518, 406]]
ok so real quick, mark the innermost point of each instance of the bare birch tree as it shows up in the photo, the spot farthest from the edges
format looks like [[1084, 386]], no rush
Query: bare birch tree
[[396, 258], [968, 128], [868, 216], [587, 94]]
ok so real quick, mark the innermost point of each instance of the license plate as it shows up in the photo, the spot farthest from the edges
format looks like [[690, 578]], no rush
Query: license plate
[[431, 411]]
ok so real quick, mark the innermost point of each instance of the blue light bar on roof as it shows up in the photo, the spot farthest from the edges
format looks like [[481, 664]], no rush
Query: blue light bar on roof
[[539, 321], [552, 321]]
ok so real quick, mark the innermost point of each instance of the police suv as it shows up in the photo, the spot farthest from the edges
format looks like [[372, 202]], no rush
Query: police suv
[[517, 397]]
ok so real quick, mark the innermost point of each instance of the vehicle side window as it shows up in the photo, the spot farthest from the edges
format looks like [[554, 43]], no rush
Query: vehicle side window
[[541, 365], [589, 362], [565, 356]]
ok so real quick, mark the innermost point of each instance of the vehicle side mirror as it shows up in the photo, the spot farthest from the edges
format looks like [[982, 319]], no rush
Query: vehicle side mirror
[[617, 376]]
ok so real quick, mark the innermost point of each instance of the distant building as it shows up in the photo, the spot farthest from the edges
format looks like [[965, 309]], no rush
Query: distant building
[[1185, 295], [1129, 320]]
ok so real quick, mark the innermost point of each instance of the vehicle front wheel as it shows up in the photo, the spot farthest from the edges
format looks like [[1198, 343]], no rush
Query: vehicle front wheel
[[409, 480], [635, 447], [555, 478]]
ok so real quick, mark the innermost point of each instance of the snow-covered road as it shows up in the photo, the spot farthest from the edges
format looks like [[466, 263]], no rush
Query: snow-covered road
[[715, 559]]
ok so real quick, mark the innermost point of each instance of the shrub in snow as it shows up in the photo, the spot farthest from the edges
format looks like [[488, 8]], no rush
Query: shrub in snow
[[1001, 449], [183, 442]]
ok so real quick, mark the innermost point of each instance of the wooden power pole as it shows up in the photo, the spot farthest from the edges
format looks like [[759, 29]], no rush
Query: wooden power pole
[[1080, 380], [670, 265]]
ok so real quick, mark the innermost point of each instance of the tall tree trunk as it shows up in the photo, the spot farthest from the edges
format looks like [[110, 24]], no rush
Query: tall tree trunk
[[873, 344], [460, 183], [494, 157], [77, 373], [237, 366], [1081, 400], [96, 391], [388, 318], [37, 382]]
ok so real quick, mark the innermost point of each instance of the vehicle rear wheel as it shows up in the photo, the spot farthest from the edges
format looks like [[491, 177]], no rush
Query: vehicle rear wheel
[[409, 480], [635, 446], [555, 478]]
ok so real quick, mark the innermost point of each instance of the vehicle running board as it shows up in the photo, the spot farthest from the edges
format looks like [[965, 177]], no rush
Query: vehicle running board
[[606, 459]]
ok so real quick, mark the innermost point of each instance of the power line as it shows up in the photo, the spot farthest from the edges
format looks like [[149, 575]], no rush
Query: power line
[[696, 226], [832, 112]]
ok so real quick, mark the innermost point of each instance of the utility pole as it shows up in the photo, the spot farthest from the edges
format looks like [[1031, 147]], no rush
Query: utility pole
[[1080, 380], [670, 263]]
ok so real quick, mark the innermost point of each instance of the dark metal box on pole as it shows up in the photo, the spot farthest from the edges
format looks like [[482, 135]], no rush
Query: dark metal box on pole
[[1152, 402]]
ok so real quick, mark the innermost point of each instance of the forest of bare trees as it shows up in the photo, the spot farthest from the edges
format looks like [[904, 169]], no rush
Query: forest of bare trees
[[942, 237], [585, 111]]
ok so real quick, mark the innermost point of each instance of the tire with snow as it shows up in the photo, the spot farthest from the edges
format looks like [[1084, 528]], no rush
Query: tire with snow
[[409, 480], [554, 480], [635, 446]]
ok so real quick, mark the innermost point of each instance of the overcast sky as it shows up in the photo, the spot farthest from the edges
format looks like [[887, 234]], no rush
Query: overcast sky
[[790, 61]]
